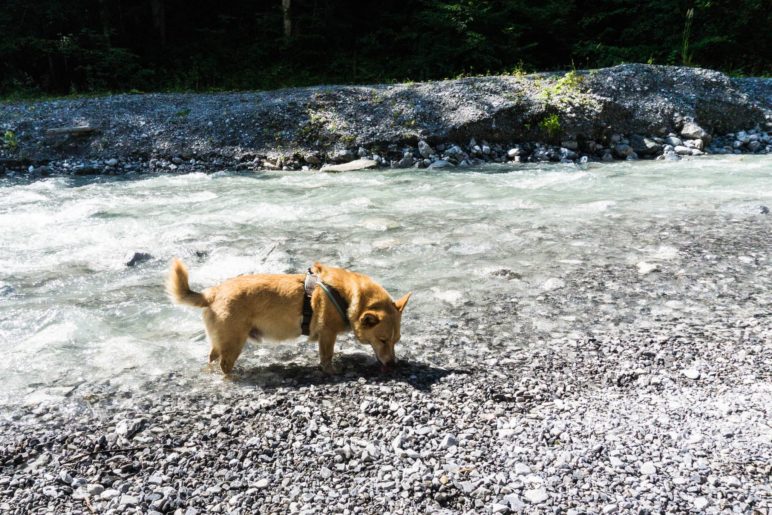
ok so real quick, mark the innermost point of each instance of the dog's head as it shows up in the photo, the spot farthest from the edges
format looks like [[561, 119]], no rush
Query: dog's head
[[379, 326]]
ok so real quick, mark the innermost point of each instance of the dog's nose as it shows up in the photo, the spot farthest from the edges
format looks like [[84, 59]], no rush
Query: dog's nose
[[389, 365]]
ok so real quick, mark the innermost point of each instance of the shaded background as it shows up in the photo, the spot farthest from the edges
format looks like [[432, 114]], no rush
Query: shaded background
[[89, 46]]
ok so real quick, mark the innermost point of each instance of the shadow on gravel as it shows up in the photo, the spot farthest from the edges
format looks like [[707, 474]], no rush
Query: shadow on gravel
[[352, 368]]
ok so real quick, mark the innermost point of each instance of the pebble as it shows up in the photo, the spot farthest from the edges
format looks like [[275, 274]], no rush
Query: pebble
[[648, 468], [691, 373], [109, 493], [536, 495], [448, 441]]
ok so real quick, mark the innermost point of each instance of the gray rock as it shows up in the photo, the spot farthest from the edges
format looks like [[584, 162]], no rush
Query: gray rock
[[569, 144], [405, 162], [700, 503], [343, 156], [358, 164], [514, 152], [648, 468], [536, 495], [128, 500], [94, 489], [112, 162], [693, 131], [110, 493], [448, 441], [440, 163], [731, 481], [262, 483], [644, 146], [424, 149], [522, 469], [674, 141], [623, 150], [137, 258], [514, 502]]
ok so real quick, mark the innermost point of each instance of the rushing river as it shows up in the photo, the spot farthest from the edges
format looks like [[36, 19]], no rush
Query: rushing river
[[72, 311]]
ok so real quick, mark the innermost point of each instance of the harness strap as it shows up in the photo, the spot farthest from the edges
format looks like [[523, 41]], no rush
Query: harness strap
[[311, 282]]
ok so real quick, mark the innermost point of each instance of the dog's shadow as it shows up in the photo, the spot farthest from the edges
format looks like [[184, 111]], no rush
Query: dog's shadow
[[353, 367]]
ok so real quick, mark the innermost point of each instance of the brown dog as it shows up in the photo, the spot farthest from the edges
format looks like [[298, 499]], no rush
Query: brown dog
[[270, 306]]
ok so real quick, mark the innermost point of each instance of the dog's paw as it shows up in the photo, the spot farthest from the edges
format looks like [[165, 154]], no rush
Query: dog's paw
[[329, 369]]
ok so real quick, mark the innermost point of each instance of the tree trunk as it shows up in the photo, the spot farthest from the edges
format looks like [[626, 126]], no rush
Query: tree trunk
[[104, 16], [285, 7], [159, 19]]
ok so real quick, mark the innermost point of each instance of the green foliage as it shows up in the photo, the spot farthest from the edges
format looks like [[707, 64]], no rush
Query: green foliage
[[686, 56], [551, 125], [568, 84], [10, 141]]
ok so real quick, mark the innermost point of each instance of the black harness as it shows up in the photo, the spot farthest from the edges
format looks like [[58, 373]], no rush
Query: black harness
[[311, 282]]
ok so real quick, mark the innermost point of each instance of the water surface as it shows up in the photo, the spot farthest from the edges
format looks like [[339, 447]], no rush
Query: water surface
[[71, 311]]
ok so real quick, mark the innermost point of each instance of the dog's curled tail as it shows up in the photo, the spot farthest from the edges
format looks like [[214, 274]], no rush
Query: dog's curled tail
[[179, 290]]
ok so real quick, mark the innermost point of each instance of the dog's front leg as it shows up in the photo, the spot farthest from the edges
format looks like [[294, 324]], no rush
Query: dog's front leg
[[326, 348]]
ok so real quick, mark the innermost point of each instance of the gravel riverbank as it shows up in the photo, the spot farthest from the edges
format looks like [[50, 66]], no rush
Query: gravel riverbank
[[625, 112], [656, 400]]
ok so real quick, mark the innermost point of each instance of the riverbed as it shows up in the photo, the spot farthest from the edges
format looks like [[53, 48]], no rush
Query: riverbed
[[537, 290]]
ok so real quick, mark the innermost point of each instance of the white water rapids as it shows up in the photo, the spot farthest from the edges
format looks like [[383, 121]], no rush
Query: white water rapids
[[72, 311]]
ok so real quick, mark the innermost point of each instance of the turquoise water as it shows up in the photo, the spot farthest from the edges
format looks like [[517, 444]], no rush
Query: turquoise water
[[72, 311]]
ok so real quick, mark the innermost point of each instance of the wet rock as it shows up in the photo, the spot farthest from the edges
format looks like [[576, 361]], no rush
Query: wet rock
[[440, 163], [137, 258]]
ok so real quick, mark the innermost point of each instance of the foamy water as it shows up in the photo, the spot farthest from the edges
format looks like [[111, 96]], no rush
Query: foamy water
[[72, 311]]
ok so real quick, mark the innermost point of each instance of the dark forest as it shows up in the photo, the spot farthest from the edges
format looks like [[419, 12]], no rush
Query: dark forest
[[55, 47]]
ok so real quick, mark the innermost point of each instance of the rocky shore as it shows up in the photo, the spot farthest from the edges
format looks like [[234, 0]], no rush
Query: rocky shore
[[625, 112], [657, 401]]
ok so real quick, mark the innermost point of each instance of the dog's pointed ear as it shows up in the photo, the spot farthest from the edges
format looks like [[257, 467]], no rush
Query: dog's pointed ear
[[369, 319], [317, 268], [401, 303]]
